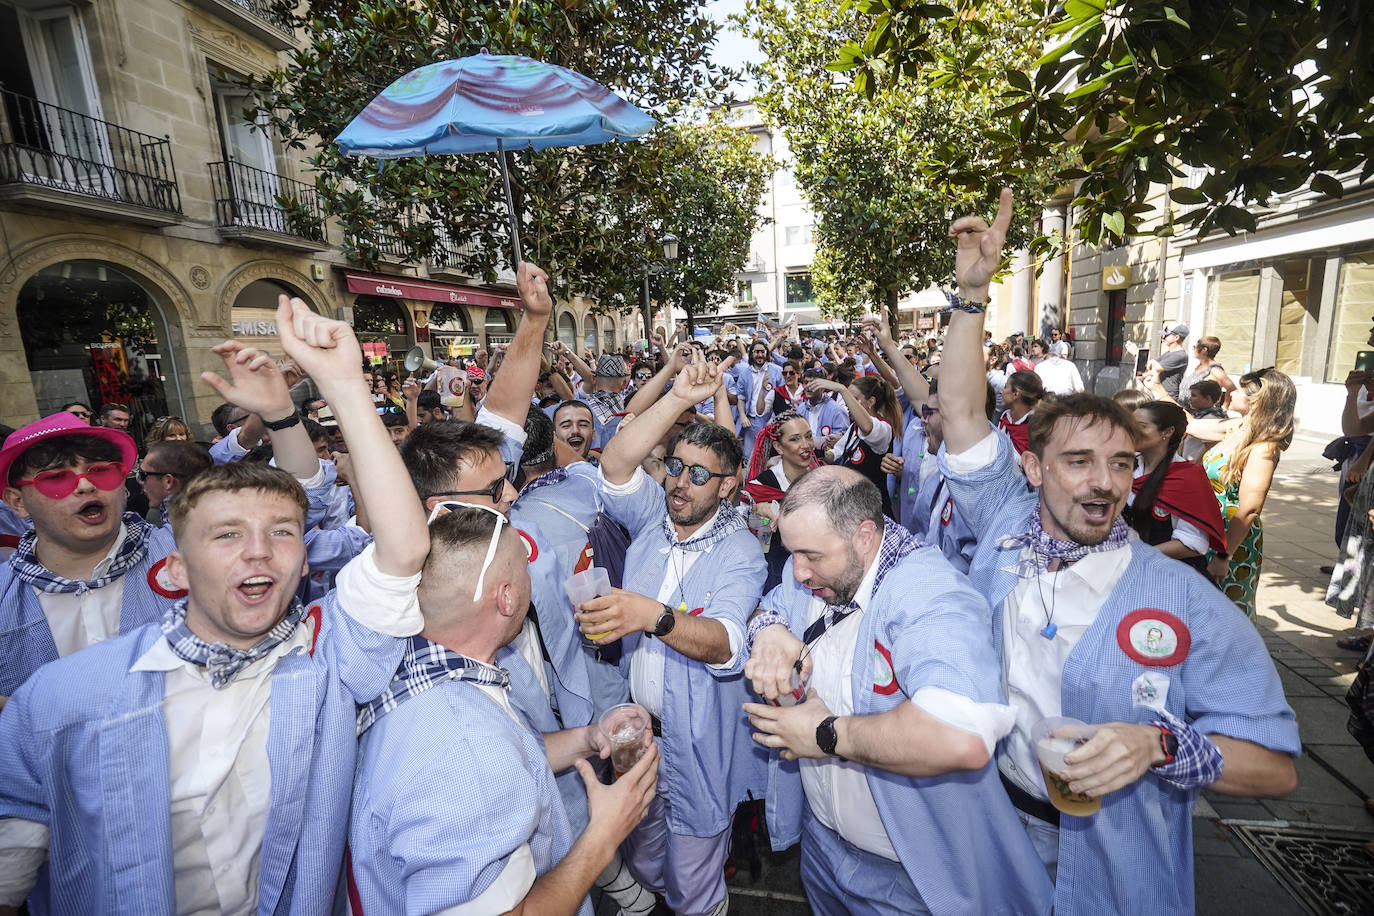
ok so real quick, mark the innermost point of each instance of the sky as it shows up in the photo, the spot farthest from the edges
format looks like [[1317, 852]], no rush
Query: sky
[[731, 47]]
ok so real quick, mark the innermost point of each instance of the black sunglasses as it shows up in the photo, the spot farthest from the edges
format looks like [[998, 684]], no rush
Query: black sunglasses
[[493, 492], [143, 474], [696, 473]]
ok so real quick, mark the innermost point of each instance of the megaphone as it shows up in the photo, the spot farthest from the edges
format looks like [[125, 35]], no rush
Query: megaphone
[[415, 361]]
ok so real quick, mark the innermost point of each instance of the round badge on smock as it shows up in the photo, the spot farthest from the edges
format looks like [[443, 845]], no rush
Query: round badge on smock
[[531, 551], [1153, 637], [161, 583]]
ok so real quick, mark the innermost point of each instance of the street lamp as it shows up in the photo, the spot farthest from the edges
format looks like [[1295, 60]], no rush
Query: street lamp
[[655, 268]]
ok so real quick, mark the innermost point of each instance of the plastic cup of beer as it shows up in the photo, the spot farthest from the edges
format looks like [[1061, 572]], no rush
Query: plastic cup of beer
[[586, 585], [795, 695], [624, 727], [452, 386], [1053, 738]]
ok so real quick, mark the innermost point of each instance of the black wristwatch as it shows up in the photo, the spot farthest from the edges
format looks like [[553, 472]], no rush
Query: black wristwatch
[[284, 423], [1168, 743], [666, 621], [826, 738]]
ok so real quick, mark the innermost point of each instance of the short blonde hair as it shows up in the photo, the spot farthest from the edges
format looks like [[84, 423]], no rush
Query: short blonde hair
[[231, 478]]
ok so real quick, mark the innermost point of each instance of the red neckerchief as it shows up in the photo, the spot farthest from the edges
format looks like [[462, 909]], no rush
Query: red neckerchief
[[1187, 493]]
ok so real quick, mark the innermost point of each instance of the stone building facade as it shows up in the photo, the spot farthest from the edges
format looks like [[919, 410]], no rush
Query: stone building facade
[[141, 223]]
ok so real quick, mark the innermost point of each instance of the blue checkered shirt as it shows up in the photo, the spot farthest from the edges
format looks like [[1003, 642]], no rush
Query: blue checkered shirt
[[30, 571]]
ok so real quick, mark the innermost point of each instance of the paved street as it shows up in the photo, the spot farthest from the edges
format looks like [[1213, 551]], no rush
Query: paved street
[[1318, 828]]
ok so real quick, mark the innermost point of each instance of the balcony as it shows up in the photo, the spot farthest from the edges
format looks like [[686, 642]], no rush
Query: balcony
[[54, 158], [261, 19], [255, 205]]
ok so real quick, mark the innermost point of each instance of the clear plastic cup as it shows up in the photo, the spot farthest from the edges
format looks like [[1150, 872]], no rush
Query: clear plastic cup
[[624, 727], [1053, 738], [586, 585], [452, 386], [762, 528]]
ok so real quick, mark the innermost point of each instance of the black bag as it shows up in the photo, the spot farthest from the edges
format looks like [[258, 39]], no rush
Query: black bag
[[609, 543]]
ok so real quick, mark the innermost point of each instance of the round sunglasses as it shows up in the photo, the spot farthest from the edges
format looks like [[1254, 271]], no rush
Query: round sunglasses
[[63, 483], [696, 473]]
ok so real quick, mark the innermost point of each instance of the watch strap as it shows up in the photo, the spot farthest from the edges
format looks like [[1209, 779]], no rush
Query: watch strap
[[827, 738], [665, 623], [284, 422], [1168, 743]]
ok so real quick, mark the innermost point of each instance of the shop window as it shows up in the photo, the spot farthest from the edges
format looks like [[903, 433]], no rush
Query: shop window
[[1232, 303], [1354, 306]]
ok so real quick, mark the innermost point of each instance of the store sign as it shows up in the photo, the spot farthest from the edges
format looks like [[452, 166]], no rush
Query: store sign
[[426, 291], [249, 322], [1118, 276], [925, 323]]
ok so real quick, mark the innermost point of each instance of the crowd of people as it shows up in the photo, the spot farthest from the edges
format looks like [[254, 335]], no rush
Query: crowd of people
[[336, 661]]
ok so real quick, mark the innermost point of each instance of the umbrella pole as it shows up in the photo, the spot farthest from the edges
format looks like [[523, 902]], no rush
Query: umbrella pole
[[510, 206]]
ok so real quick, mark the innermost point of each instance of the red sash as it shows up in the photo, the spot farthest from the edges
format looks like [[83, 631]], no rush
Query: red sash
[[1187, 493]]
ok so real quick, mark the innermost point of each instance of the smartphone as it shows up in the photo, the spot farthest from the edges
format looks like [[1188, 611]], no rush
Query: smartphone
[[1364, 361], [1142, 360]]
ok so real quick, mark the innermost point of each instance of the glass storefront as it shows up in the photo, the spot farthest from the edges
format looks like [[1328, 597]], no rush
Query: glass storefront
[[1354, 308]]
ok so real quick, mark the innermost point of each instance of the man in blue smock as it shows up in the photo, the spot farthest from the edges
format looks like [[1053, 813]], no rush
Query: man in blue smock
[[1095, 625], [897, 730], [752, 390], [455, 808], [205, 763], [693, 575]]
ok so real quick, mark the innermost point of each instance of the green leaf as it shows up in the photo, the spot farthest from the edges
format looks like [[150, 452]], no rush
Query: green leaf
[[1114, 223], [1187, 196], [1327, 185]]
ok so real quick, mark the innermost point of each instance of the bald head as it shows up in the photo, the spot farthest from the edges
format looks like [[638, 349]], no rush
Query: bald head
[[847, 498]]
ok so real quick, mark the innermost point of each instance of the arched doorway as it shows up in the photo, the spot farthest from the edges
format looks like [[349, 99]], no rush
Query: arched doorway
[[93, 333], [589, 333], [607, 334], [382, 326], [497, 326], [450, 332], [567, 331], [253, 315]]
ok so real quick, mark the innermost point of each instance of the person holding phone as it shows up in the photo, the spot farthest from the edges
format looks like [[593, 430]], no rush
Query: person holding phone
[[1351, 591]]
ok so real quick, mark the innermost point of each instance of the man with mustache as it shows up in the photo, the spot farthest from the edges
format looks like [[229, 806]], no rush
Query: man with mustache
[[693, 574], [1095, 625]]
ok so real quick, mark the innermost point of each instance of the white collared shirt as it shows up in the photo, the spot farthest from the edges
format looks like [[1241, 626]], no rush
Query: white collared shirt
[[1032, 665], [81, 619], [647, 661], [837, 790]]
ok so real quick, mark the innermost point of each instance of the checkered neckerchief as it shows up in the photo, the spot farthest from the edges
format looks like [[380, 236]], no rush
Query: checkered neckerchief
[[604, 405], [897, 542], [224, 661], [726, 522], [424, 665], [1045, 548], [557, 475], [25, 563]]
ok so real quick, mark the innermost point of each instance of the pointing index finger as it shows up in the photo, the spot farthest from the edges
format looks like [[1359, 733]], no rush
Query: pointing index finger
[[1002, 222]]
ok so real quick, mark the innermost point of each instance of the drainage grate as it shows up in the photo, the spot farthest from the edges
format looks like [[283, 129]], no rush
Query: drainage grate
[[1325, 868]]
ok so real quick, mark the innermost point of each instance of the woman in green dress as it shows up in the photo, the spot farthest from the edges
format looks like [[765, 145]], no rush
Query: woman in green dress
[[1241, 468]]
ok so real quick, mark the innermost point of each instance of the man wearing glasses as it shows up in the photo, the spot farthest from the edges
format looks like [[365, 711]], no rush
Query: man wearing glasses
[[692, 576], [167, 468]]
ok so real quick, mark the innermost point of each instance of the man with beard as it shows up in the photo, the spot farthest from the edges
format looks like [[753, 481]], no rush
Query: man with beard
[[573, 423], [751, 391], [205, 763], [880, 727], [1095, 625], [693, 574]]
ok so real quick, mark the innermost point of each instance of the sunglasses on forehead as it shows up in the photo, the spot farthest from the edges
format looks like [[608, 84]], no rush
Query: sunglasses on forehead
[[696, 473], [61, 484]]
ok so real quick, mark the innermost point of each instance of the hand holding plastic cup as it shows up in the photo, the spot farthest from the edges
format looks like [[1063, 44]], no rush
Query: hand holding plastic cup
[[625, 728], [1053, 738], [762, 528], [586, 585]]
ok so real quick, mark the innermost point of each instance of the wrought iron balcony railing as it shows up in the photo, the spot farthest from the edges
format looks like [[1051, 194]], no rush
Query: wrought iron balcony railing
[[267, 12], [252, 198], [45, 145]]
